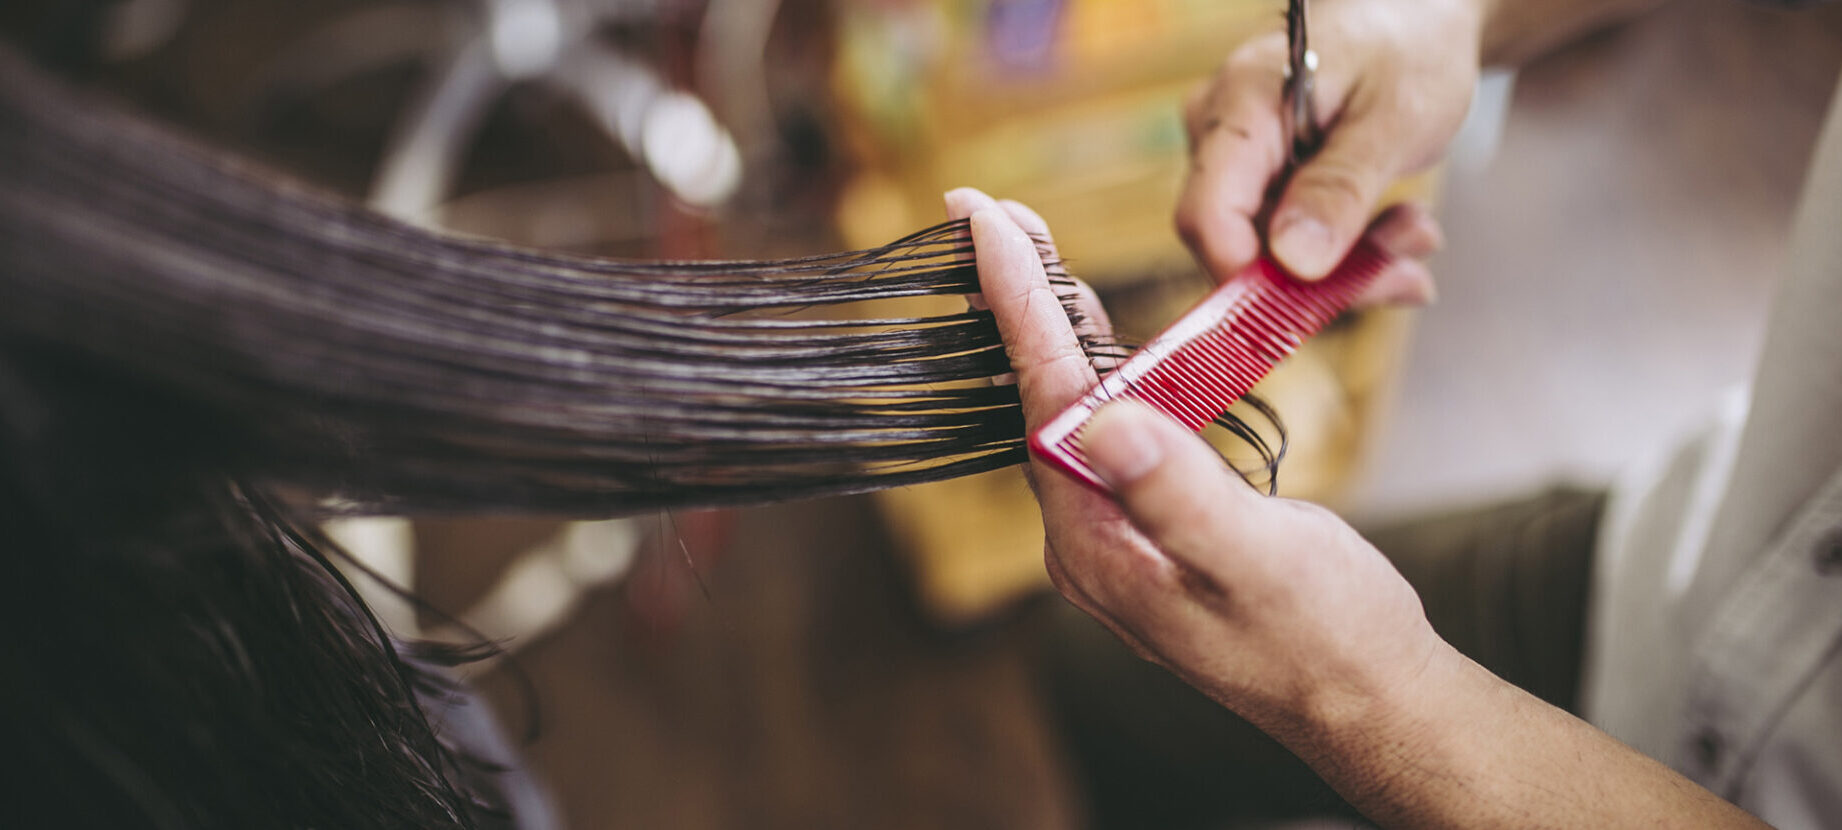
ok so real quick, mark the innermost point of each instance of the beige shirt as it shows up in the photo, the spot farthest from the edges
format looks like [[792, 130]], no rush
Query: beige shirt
[[1715, 632]]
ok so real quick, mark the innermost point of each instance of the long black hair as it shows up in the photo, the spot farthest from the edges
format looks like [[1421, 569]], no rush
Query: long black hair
[[199, 357]]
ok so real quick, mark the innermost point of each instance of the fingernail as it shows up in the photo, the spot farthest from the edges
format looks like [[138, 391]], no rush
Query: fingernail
[[1302, 245], [960, 202], [1120, 444]]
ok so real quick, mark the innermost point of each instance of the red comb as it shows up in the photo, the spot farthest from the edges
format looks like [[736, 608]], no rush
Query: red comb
[[1216, 351]]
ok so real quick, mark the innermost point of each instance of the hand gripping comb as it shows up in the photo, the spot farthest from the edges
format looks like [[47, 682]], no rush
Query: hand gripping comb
[[1215, 352]]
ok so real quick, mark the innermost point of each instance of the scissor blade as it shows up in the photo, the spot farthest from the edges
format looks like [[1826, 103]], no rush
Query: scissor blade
[[1295, 37], [1301, 70]]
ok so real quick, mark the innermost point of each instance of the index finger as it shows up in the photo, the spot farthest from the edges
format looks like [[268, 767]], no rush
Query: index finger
[[1237, 147], [1052, 369]]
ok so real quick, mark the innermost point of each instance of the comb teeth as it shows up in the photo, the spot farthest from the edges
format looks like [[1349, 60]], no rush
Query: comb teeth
[[1215, 352]]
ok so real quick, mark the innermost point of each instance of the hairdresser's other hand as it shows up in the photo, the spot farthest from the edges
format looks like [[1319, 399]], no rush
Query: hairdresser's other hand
[[1275, 608], [1394, 80]]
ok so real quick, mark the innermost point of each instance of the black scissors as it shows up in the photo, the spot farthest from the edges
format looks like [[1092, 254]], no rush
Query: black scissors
[[1300, 111]]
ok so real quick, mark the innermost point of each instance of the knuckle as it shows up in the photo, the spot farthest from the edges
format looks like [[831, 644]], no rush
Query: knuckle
[[1258, 57], [1187, 225], [1305, 510], [1338, 182], [1196, 105], [1314, 522], [1193, 213], [1058, 359], [1412, 108]]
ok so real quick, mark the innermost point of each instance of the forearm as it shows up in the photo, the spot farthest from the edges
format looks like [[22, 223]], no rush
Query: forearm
[[1462, 748], [1518, 30]]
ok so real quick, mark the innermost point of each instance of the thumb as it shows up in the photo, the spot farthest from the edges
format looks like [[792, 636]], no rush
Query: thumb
[[1173, 486], [1330, 199]]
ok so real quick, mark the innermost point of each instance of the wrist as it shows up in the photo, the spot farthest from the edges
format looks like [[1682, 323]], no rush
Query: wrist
[[1391, 702], [1370, 746]]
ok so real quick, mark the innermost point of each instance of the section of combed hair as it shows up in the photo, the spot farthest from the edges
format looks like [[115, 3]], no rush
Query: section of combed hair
[[401, 369], [404, 369]]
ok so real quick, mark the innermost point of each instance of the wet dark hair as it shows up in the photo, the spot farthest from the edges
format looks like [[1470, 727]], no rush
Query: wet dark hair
[[199, 358]]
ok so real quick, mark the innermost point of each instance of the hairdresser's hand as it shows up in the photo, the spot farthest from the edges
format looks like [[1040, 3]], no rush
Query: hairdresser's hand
[[1282, 613], [1394, 80], [1275, 608]]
